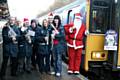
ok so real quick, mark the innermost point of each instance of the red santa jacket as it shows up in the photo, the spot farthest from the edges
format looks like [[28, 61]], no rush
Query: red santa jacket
[[74, 38]]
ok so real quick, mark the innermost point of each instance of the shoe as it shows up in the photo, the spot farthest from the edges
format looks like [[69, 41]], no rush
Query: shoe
[[58, 74], [14, 75], [28, 71], [76, 72], [70, 72], [52, 73], [2, 78]]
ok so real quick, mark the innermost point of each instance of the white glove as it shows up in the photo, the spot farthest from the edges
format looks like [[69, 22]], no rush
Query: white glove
[[46, 38], [71, 29], [87, 32], [53, 36], [13, 38], [55, 32]]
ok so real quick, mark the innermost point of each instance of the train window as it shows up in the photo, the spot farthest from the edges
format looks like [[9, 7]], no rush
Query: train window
[[99, 18], [64, 18]]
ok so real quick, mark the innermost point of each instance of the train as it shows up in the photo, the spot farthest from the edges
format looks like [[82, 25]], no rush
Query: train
[[100, 17]]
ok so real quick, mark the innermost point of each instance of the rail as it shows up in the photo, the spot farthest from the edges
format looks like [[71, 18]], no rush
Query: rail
[[1, 40]]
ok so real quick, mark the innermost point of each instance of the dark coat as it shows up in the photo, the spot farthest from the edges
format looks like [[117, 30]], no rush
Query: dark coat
[[43, 47], [25, 48], [10, 48], [61, 38], [36, 37]]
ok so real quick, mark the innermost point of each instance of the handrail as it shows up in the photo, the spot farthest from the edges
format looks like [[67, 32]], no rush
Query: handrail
[[1, 42], [1, 38]]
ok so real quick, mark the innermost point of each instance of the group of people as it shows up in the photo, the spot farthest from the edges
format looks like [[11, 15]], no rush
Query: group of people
[[43, 45]]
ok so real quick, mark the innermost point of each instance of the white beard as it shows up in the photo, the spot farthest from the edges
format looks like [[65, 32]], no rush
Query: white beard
[[77, 24]]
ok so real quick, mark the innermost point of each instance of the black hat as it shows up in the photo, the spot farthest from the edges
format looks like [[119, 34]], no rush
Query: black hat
[[33, 21]]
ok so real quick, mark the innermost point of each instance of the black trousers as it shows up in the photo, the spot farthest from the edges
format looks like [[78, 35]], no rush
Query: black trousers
[[33, 57], [51, 58], [13, 65], [43, 62]]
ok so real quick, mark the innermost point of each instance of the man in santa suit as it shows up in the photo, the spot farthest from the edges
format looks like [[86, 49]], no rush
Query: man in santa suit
[[74, 35]]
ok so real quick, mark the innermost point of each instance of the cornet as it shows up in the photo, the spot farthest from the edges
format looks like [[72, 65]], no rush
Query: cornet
[[12, 35], [28, 38], [54, 28]]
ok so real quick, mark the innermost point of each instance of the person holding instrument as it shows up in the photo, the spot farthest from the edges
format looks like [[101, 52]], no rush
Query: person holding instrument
[[58, 46], [10, 34]]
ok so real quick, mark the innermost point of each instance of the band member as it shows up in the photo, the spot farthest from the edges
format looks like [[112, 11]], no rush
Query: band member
[[74, 35], [43, 45], [50, 21], [58, 38], [34, 26], [10, 34], [50, 18], [25, 48]]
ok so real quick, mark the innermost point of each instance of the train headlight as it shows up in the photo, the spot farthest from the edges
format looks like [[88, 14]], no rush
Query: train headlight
[[99, 55]]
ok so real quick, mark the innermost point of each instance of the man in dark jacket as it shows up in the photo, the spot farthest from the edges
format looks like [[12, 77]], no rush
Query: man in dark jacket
[[50, 21], [10, 34], [34, 26], [25, 47]]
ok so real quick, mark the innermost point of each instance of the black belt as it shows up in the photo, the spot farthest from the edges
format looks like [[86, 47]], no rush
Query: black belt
[[42, 44]]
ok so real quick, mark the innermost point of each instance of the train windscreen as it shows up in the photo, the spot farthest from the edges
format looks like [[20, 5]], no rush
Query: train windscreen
[[99, 17]]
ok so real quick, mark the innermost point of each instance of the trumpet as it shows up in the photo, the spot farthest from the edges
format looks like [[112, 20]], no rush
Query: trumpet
[[12, 34], [28, 35], [55, 28], [55, 31], [28, 38]]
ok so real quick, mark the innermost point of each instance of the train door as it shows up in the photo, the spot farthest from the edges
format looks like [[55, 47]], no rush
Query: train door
[[117, 22], [98, 21]]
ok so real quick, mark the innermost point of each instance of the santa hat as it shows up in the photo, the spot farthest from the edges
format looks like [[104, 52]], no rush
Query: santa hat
[[78, 16], [50, 15], [25, 20]]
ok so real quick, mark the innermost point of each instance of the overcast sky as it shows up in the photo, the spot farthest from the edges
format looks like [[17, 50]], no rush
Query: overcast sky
[[28, 8]]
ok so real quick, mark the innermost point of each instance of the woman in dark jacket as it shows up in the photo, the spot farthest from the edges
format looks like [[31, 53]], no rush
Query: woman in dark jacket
[[43, 45], [58, 37]]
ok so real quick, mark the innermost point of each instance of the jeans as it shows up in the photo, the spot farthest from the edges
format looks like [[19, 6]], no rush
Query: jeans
[[57, 55]]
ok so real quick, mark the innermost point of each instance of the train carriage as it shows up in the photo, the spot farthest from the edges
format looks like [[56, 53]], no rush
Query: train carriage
[[99, 16]]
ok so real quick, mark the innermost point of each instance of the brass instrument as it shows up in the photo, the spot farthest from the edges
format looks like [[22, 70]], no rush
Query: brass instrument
[[12, 34], [54, 28], [28, 37], [53, 34]]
